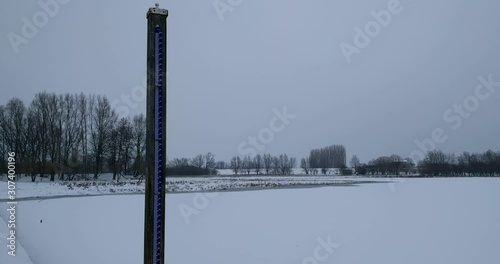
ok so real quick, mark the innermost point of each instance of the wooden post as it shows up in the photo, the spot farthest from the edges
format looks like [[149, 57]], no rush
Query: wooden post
[[156, 121]]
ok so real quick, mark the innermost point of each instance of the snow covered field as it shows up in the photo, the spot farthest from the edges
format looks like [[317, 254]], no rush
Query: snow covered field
[[454, 220], [42, 189]]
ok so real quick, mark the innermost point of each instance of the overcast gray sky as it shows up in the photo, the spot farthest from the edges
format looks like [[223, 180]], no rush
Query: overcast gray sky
[[228, 71]]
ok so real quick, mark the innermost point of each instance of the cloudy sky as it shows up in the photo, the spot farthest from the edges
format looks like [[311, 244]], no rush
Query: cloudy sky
[[345, 71]]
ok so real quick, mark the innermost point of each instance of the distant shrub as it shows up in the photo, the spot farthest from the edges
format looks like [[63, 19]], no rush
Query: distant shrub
[[346, 171]]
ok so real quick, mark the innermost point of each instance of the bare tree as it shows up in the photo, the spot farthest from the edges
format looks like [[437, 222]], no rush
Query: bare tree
[[355, 162], [257, 162], [210, 162], [236, 164], [247, 164], [70, 132], [34, 144], [304, 164], [198, 161], [101, 126], [139, 133], [112, 145], [286, 164], [435, 163], [268, 161], [125, 144], [220, 165], [55, 133], [83, 106], [333, 156], [180, 162], [292, 162], [276, 165], [41, 123], [12, 129], [120, 148], [491, 161]]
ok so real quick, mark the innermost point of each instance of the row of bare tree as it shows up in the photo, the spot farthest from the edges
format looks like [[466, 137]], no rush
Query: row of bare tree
[[384, 165], [70, 134], [261, 164], [333, 156], [438, 163], [199, 165], [435, 163], [74, 134]]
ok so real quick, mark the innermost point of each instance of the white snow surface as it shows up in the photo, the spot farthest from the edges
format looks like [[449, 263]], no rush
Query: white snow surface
[[105, 185], [445, 220], [20, 255]]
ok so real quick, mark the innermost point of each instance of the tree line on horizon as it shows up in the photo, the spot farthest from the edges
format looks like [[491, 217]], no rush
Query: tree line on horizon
[[75, 135], [436, 163]]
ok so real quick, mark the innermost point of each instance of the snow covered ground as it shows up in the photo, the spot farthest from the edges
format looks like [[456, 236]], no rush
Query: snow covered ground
[[223, 183], [42, 189], [446, 220], [19, 256]]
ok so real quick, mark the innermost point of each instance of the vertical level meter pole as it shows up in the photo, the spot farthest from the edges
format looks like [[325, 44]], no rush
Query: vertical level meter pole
[[154, 219]]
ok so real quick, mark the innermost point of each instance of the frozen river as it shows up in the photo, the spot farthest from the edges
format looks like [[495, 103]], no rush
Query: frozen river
[[454, 220]]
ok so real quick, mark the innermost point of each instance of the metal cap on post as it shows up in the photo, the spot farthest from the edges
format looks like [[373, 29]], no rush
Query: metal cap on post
[[157, 10], [156, 120]]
